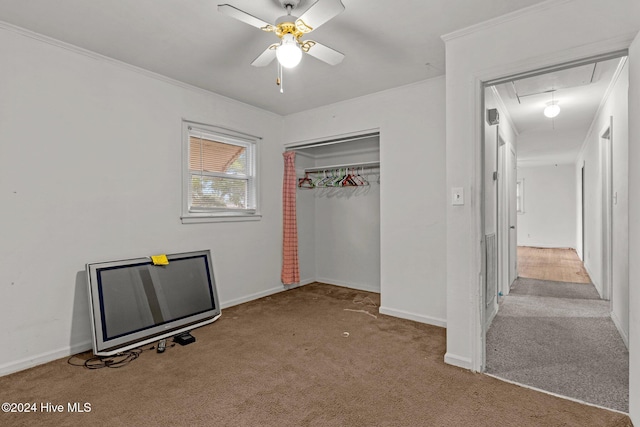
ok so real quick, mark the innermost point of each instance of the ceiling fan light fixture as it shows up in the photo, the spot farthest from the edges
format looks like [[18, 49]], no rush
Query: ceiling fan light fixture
[[288, 52], [551, 110]]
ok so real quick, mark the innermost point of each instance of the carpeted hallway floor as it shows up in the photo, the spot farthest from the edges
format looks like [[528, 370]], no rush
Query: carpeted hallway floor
[[318, 355], [559, 337]]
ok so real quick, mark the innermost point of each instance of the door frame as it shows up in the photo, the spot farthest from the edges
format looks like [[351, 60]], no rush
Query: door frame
[[606, 176], [478, 344]]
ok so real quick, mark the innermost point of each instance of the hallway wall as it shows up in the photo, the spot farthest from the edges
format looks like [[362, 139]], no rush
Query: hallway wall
[[616, 107], [549, 216]]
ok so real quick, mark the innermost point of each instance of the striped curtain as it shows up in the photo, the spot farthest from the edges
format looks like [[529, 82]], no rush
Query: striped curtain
[[290, 269]]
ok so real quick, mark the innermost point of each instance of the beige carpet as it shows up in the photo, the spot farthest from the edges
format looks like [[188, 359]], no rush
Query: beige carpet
[[318, 355]]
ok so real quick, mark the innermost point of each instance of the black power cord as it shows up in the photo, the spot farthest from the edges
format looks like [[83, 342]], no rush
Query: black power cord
[[116, 361]]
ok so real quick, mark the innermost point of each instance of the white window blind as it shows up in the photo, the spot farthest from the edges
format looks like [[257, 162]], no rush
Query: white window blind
[[221, 174]]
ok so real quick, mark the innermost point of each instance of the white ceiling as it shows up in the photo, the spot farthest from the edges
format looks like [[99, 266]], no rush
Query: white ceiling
[[386, 43], [578, 91]]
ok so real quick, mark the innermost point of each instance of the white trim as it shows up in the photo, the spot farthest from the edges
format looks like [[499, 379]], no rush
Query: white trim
[[459, 361], [565, 56], [550, 393], [226, 136], [123, 65], [605, 147], [536, 8], [30, 362], [358, 286], [251, 297], [337, 139], [362, 151], [621, 331], [303, 282], [596, 283], [505, 111], [220, 218], [413, 316], [477, 211]]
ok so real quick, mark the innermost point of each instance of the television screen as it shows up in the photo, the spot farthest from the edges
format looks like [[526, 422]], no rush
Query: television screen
[[134, 301]]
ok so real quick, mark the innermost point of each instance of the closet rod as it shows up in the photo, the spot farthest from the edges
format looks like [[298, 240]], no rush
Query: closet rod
[[347, 165]]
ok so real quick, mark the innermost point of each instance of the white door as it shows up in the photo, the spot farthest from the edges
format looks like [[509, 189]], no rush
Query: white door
[[503, 217], [513, 217]]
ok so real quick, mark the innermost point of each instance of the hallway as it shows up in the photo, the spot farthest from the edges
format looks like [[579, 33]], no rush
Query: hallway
[[558, 335]]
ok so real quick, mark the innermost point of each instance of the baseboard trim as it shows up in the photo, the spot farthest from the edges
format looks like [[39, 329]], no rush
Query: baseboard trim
[[43, 358], [50, 356], [357, 286], [459, 361], [623, 334], [413, 316], [596, 283], [251, 297]]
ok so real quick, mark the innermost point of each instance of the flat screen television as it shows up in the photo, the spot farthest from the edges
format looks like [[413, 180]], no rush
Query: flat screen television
[[134, 302]]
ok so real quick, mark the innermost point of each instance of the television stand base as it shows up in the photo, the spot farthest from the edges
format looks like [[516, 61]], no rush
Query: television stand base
[[184, 338]]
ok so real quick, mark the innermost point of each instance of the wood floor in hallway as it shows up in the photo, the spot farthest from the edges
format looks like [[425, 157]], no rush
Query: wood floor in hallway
[[557, 264]]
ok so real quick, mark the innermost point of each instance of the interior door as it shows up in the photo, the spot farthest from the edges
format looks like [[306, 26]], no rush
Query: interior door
[[503, 218], [513, 217]]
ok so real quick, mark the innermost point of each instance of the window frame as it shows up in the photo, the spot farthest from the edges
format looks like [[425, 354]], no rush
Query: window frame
[[226, 136]]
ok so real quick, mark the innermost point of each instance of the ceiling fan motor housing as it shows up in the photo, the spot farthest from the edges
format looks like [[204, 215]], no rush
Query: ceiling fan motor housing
[[287, 25], [292, 3]]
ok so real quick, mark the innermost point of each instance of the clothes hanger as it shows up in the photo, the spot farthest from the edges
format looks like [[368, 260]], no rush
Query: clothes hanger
[[305, 182]]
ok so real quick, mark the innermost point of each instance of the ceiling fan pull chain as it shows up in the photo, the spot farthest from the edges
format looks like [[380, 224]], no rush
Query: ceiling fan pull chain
[[280, 80], [278, 74]]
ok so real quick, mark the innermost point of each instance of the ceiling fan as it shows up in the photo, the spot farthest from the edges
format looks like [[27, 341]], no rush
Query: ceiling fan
[[290, 30]]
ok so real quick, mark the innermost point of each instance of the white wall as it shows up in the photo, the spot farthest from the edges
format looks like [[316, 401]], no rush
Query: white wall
[[412, 193], [90, 170], [347, 229], [505, 46], [549, 218], [616, 107], [634, 232]]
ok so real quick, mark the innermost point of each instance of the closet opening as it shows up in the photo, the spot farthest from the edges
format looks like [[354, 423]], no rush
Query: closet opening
[[338, 210]]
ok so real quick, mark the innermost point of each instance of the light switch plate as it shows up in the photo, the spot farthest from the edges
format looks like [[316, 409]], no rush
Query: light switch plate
[[457, 196]]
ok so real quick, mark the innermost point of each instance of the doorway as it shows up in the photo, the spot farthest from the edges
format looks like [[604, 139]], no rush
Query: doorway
[[541, 232]]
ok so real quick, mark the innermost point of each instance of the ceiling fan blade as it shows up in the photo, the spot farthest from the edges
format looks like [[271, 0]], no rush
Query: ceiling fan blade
[[322, 52], [265, 57], [240, 15], [319, 13]]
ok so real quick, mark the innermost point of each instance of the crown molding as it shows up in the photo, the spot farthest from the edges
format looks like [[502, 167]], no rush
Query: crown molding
[[536, 8], [122, 65]]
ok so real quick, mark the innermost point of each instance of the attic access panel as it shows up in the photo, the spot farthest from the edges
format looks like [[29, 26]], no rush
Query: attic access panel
[[562, 79]]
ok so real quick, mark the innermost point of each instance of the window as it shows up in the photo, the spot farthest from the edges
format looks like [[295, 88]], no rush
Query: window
[[520, 196], [219, 175]]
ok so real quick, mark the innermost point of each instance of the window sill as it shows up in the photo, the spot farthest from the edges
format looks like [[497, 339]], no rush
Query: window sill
[[219, 218]]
